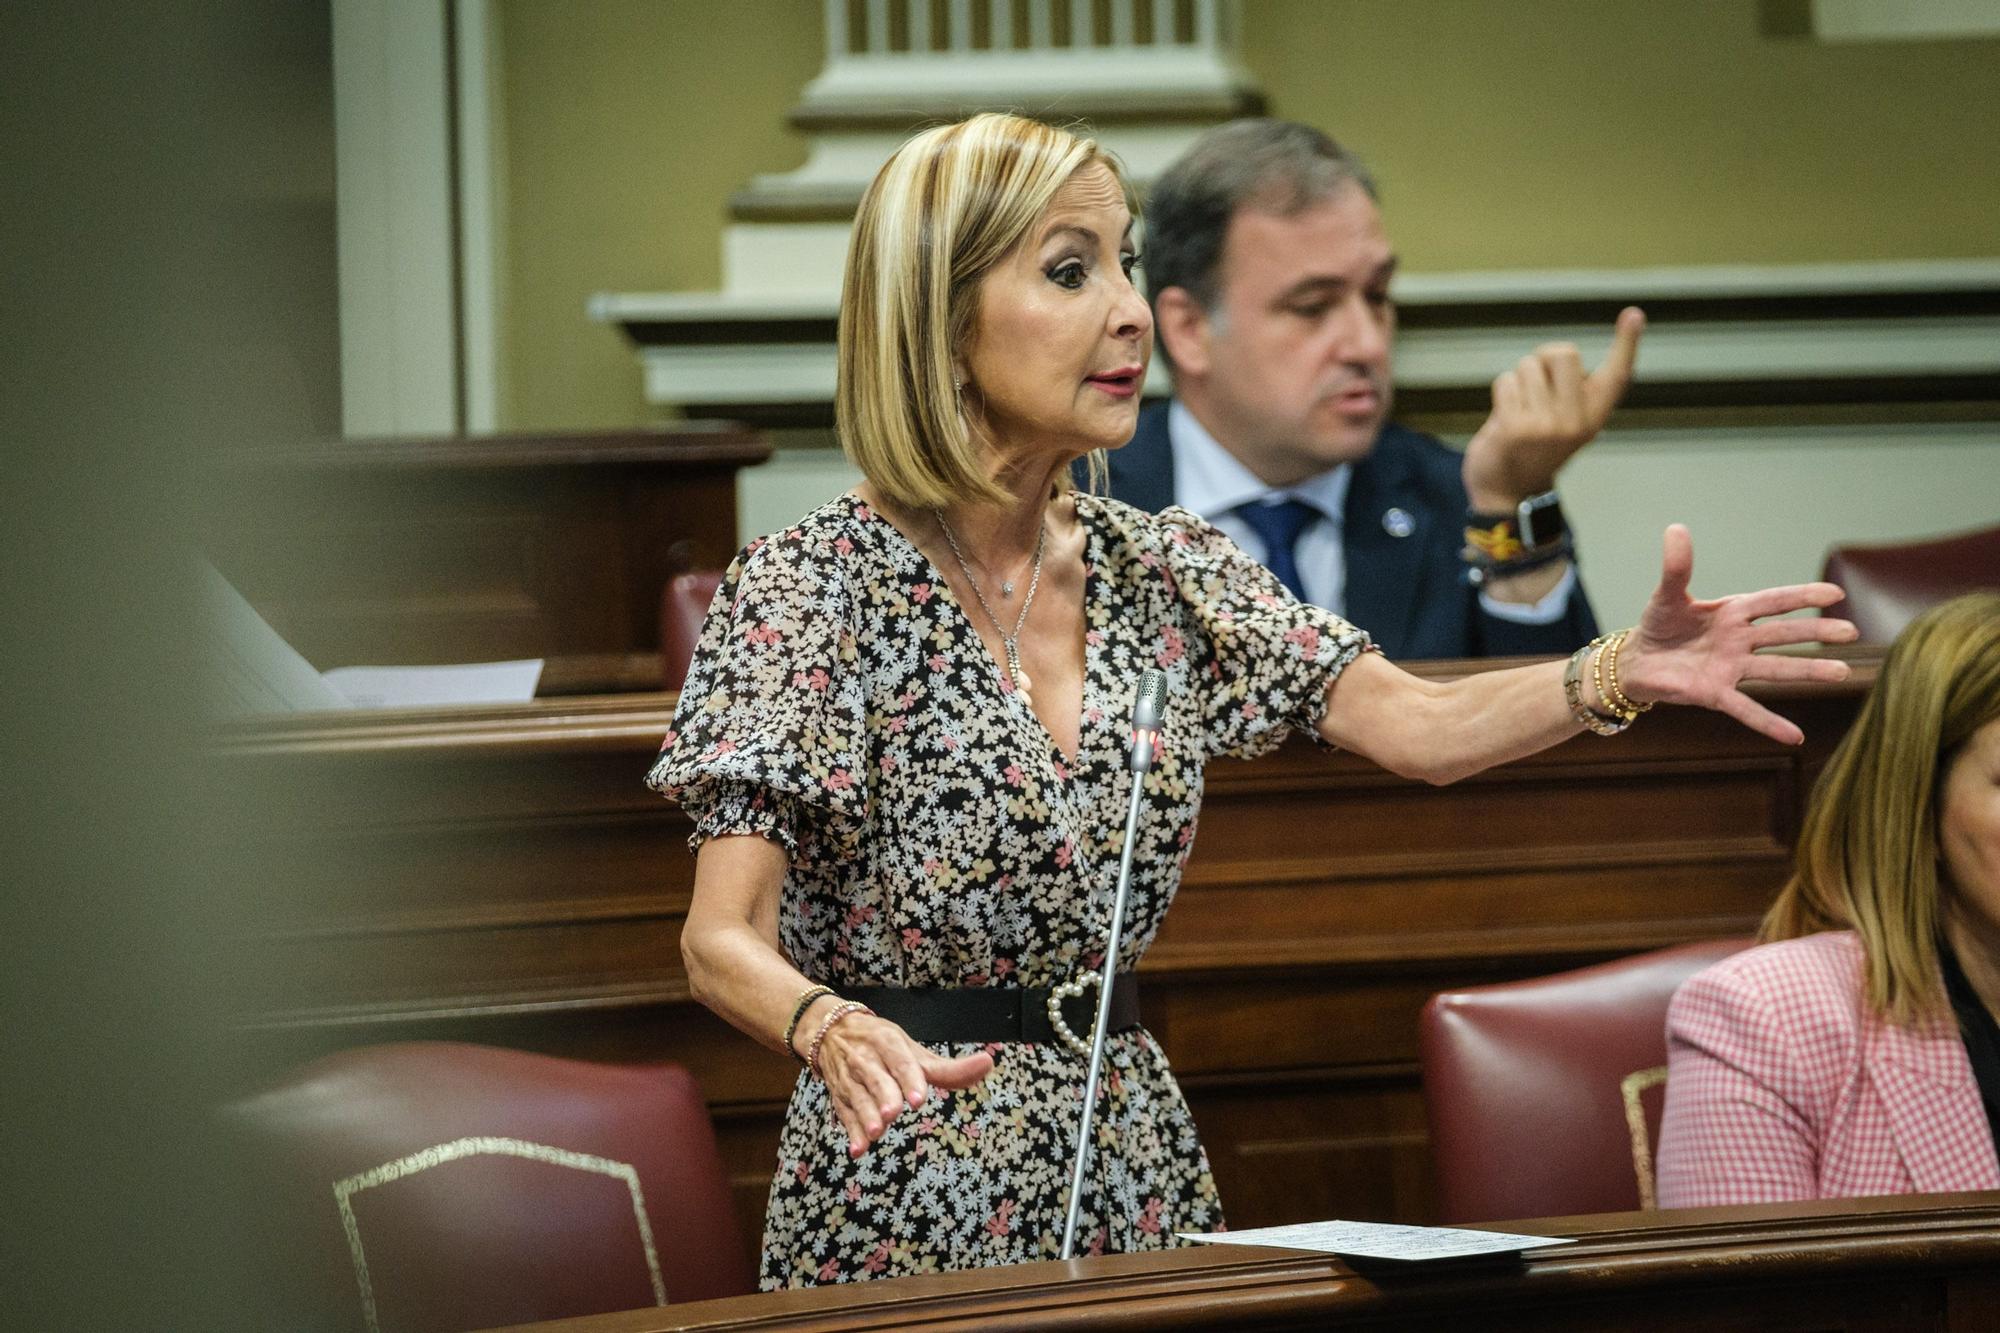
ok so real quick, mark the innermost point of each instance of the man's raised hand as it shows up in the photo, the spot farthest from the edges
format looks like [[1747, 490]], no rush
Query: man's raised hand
[[1545, 409]]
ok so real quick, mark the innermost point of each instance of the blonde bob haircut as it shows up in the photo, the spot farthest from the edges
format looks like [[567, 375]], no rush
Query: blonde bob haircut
[[1868, 856], [939, 215]]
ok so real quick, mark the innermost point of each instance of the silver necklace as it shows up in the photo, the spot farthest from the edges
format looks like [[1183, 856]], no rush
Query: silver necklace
[[1010, 642]]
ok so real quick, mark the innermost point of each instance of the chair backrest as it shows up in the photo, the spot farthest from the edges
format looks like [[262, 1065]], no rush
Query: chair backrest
[[439, 1186], [1544, 1095], [683, 606], [1889, 586]]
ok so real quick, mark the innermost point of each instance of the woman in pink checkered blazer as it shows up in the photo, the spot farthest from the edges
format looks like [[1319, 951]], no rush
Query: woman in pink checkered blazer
[[1858, 1053]]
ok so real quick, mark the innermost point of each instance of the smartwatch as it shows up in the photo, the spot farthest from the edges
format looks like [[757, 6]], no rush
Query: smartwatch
[[1535, 522], [1500, 544]]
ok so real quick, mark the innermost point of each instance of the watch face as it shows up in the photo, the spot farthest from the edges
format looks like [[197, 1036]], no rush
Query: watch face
[[1541, 520]]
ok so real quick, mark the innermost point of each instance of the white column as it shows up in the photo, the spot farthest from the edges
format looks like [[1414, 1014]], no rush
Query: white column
[[1163, 23], [393, 217], [961, 25], [1207, 24], [1000, 24], [836, 30], [1124, 27], [482, 199]]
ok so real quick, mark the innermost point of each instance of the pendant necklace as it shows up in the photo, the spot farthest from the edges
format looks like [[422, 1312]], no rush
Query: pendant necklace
[[1010, 642]]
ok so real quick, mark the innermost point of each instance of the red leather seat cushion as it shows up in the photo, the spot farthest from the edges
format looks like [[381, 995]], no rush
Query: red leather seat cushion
[[486, 1186], [1522, 1084], [683, 606], [1889, 586]]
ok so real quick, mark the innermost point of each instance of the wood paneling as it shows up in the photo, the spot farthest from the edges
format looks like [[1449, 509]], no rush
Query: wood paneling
[[458, 550], [501, 875], [1849, 1264]]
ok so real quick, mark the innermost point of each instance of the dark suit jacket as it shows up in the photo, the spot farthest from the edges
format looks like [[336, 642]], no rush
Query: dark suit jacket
[[1410, 593]]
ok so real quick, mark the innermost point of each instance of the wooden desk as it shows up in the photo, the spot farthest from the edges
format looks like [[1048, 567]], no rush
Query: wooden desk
[[501, 875], [482, 549], [1916, 1263]]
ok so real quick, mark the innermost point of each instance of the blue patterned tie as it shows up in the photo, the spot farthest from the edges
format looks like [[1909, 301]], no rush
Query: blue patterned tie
[[1280, 525]]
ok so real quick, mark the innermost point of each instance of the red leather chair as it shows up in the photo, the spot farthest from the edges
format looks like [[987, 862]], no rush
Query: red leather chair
[[1889, 586], [1544, 1096], [439, 1186], [683, 606]]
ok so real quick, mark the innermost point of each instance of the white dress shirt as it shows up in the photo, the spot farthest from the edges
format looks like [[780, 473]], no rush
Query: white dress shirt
[[1212, 482]]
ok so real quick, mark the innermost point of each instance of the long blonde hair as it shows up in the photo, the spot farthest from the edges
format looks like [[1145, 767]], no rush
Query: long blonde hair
[[939, 215], [1867, 857]]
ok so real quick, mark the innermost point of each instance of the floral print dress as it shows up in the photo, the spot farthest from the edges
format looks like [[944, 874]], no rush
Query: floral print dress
[[841, 703]]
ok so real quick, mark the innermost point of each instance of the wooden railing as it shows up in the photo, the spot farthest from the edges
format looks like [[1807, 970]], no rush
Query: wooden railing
[[501, 875]]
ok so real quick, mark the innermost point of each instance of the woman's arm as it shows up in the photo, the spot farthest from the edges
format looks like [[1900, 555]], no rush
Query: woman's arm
[[1682, 651], [735, 966], [1441, 731]]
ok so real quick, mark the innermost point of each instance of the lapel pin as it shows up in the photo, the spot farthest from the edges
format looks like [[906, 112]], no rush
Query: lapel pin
[[1398, 523]]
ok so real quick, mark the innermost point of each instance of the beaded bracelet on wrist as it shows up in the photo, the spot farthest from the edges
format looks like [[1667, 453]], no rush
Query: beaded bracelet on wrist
[[1606, 645], [1618, 699], [804, 1002], [839, 1011], [1600, 723]]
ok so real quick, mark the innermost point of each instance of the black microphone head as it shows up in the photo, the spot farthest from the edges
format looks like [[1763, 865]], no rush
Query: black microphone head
[[1149, 704]]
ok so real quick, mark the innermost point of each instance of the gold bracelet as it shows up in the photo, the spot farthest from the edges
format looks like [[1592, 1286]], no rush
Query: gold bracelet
[[805, 1002], [1606, 643], [1573, 691], [840, 1011], [1615, 704], [1619, 700]]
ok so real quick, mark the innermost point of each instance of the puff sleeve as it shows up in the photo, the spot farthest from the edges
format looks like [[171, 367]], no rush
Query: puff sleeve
[[770, 737], [1270, 657]]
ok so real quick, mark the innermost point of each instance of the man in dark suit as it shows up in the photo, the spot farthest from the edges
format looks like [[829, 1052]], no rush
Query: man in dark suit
[[1269, 272]]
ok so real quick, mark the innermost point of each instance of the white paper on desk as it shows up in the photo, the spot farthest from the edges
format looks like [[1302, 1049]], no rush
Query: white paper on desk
[[252, 669], [429, 686], [1379, 1240]]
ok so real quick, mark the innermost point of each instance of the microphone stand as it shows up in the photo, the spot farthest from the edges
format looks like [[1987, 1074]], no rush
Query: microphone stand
[[1148, 706]]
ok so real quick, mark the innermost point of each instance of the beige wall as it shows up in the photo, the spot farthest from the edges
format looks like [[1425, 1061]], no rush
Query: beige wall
[[628, 124], [1557, 134], [1615, 133], [1565, 133]]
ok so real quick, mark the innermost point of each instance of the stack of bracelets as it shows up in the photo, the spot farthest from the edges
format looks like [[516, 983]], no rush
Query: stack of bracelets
[[1602, 653], [1500, 545], [805, 1001]]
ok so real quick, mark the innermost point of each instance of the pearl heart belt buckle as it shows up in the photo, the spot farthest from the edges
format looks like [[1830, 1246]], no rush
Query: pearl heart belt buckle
[[1070, 990]]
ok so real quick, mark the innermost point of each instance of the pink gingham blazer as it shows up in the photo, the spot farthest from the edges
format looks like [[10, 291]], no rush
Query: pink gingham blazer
[[1783, 1084]]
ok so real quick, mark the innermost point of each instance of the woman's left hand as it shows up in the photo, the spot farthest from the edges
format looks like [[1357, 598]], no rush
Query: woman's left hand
[[1686, 651]]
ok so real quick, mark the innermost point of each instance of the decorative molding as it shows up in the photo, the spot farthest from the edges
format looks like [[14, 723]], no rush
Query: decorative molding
[[1105, 83], [1839, 21], [1151, 73], [1721, 335], [1715, 281]]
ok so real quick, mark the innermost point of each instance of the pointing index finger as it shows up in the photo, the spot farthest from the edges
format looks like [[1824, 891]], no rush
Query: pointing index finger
[[1610, 380]]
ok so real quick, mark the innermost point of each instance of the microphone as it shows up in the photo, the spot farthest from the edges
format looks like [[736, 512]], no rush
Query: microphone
[[1149, 707]]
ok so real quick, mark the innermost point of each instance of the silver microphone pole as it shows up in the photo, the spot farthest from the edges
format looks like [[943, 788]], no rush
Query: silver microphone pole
[[1149, 705]]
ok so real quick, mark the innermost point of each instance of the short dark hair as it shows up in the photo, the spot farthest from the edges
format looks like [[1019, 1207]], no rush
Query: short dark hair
[[1274, 166]]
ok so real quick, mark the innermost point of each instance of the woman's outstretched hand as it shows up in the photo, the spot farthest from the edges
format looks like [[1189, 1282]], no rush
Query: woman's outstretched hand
[[1686, 651], [874, 1072]]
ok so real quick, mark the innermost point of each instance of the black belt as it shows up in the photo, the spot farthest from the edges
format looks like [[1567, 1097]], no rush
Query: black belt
[[1000, 1013]]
